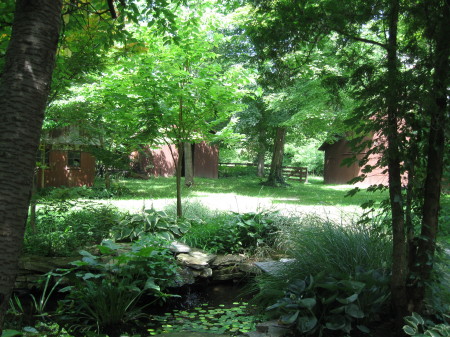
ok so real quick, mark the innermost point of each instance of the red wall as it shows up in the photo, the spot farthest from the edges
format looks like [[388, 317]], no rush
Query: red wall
[[335, 173], [206, 161], [60, 174], [160, 163]]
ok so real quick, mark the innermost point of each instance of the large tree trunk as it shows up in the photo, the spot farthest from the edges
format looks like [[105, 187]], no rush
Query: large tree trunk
[[24, 90], [276, 167], [423, 263], [188, 165]]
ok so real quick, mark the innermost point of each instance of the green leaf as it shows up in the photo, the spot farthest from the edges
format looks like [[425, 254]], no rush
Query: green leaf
[[307, 323], [348, 300], [409, 330], [353, 310], [307, 303], [289, 318], [150, 284], [335, 322], [11, 333], [363, 328]]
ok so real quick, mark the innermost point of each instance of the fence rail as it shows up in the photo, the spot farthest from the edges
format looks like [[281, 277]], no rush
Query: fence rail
[[290, 172]]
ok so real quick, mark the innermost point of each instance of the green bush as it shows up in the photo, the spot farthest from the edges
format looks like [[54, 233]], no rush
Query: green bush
[[105, 292], [235, 233], [63, 228], [150, 221]]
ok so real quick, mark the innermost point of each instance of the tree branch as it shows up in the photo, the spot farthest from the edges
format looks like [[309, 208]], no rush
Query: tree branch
[[360, 39]]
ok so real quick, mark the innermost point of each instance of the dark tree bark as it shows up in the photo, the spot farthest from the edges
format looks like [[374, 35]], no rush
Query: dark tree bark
[[180, 148], [423, 264], [188, 165], [24, 90], [399, 254], [276, 167]]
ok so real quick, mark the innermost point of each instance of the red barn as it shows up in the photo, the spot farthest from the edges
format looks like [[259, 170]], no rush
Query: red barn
[[64, 160], [336, 173], [160, 162]]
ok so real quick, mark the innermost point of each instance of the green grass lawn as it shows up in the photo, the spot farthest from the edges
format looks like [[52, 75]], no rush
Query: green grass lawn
[[312, 193]]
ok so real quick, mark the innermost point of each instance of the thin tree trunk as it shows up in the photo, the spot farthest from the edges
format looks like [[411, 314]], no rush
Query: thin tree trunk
[[24, 90], [400, 256], [276, 167], [178, 173], [261, 153], [436, 151], [188, 165]]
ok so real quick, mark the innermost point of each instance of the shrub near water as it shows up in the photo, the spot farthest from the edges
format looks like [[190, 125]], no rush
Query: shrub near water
[[64, 227], [338, 280]]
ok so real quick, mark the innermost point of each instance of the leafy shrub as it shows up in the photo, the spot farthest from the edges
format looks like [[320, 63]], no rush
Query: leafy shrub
[[63, 228], [233, 234], [327, 302], [106, 293], [150, 221], [417, 327]]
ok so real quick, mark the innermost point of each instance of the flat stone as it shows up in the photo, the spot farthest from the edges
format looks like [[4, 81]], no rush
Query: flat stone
[[249, 268], [196, 259], [42, 264], [227, 260], [273, 267], [205, 273], [178, 247]]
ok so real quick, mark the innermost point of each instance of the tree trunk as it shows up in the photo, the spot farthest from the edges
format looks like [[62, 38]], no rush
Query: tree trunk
[[24, 90], [423, 264], [400, 252], [180, 148], [188, 165], [261, 153], [260, 163], [276, 167]]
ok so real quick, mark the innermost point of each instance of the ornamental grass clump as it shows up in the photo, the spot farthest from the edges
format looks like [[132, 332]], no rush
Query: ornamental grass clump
[[337, 277]]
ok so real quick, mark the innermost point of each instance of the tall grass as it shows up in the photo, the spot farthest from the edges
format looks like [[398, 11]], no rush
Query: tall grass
[[316, 244]]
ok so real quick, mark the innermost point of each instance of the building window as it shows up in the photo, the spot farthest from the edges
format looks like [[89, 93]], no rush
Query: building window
[[43, 157], [74, 159]]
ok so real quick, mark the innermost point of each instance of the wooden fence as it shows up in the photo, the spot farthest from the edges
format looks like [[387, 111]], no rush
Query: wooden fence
[[289, 172]]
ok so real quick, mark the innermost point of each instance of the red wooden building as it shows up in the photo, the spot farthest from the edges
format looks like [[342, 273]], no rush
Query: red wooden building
[[64, 160], [337, 173], [160, 162]]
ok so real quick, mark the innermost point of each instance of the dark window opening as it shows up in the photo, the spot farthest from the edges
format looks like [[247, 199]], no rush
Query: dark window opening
[[74, 159]]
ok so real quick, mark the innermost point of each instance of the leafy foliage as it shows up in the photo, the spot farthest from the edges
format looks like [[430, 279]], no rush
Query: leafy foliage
[[64, 227], [106, 294], [150, 221], [417, 326], [236, 234], [326, 302]]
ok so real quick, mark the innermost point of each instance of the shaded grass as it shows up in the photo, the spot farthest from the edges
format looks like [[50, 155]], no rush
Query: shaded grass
[[312, 193]]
